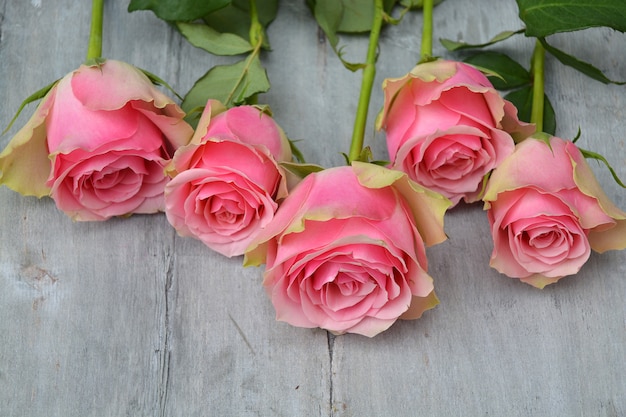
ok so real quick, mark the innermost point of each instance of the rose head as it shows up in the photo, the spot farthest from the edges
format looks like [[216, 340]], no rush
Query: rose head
[[447, 127], [226, 182], [547, 211], [97, 144], [345, 251]]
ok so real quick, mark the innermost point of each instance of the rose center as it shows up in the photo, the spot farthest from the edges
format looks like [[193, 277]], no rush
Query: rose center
[[108, 186], [454, 157], [545, 239], [226, 211]]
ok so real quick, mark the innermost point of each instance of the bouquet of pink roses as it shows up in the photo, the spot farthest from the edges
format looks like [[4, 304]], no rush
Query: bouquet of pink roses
[[345, 247]]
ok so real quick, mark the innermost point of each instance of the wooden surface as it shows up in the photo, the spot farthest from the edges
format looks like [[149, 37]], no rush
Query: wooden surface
[[125, 318]]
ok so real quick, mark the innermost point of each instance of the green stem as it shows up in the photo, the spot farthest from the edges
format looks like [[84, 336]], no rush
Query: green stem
[[256, 39], [256, 29], [254, 54], [369, 72], [536, 115], [427, 31], [94, 50]]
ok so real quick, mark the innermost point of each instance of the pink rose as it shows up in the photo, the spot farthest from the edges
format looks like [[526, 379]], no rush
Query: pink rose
[[226, 182], [345, 251], [447, 127], [547, 211], [97, 144]]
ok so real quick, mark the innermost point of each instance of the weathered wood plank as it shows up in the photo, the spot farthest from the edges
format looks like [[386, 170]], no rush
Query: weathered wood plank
[[126, 318], [69, 289]]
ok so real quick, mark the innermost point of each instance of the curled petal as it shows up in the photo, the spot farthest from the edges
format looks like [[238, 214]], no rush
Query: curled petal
[[24, 163], [251, 125], [428, 208], [445, 127], [112, 84], [602, 238]]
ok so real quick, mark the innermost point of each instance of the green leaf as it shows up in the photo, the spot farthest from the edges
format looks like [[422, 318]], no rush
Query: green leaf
[[451, 45], [417, 4], [177, 10], [598, 157], [522, 99], [328, 16], [230, 84], [358, 15], [584, 67], [545, 17], [301, 170], [212, 41], [37, 95], [235, 18], [194, 114], [512, 74], [345, 16]]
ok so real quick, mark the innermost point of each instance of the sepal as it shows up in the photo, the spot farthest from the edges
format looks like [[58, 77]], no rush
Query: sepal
[[156, 80], [301, 170], [37, 95], [593, 155]]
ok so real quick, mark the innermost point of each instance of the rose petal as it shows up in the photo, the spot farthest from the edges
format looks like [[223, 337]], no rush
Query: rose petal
[[252, 126], [523, 223], [24, 163], [90, 130], [225, 210], [112, 84]]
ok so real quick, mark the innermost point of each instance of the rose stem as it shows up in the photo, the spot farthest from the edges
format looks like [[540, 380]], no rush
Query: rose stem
[[94, 49], [256, 39], [536, 115], [256, 30], [426, 51], [369, 72]]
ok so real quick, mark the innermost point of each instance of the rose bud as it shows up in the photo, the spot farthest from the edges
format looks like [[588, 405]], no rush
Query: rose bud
[[547, 211], [447, 127], [226, 182], [97, 144], [346, 250]]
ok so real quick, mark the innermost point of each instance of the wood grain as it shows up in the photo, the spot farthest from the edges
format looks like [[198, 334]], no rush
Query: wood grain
[[127, 318]]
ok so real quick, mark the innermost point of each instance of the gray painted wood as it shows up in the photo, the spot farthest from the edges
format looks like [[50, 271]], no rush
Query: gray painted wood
[[126, 318]]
